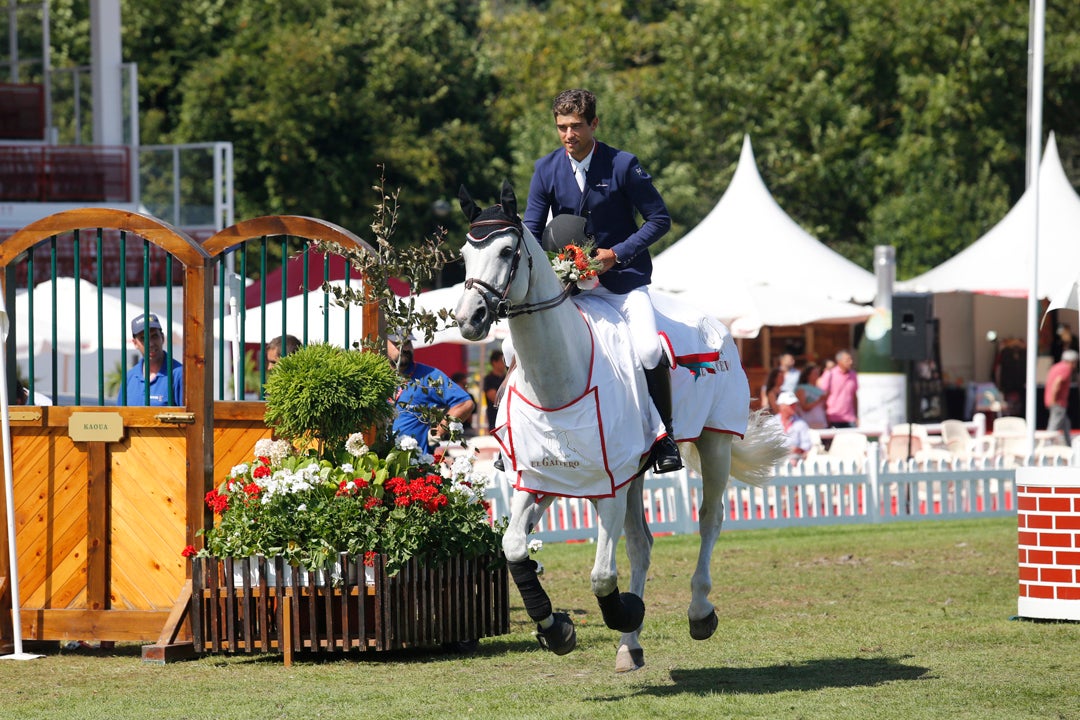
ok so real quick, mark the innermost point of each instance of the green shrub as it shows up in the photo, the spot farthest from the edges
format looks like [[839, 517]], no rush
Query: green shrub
[[322, 394]]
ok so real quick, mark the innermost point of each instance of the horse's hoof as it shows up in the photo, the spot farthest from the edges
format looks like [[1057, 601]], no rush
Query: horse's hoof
[[627, 660], [704, 628], [622, 611], [561, 637]]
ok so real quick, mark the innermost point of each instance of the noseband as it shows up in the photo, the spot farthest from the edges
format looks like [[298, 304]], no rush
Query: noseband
[[496, 300]]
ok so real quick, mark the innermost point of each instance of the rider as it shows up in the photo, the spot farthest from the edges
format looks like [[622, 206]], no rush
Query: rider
[[605, 186]]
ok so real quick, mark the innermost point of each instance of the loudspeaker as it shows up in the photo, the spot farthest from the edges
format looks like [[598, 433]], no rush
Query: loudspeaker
[[912, 326]]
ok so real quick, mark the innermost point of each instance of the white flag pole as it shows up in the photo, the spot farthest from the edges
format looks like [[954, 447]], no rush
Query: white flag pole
[[235, 288], [9, 490], [1034, 158]]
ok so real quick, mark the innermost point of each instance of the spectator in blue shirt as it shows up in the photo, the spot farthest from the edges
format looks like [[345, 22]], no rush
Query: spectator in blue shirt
[[425, 386], [164, 371]]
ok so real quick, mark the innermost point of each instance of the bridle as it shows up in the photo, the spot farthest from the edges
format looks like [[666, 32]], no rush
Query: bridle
[[496, 300]]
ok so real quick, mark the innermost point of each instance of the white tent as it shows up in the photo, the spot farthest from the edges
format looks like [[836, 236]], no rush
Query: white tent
[[999, 263], [749, 264], [115, 333], [113, 322], [326, 320]]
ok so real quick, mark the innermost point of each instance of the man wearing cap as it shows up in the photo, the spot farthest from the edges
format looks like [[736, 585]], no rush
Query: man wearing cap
[[796, 429], [607, 187], [1056, 393], [166, 376], [426, 387]]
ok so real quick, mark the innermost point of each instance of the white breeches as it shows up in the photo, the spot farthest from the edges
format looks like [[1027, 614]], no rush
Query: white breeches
[[637, 309]]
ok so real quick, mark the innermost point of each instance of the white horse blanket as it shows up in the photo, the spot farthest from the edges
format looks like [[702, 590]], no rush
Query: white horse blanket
[[597, 443]]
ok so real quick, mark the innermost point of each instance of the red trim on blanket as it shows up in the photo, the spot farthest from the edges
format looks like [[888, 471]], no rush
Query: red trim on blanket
[[592, 347], [669, 349], [718, 430], [518, 482], [700, 357]]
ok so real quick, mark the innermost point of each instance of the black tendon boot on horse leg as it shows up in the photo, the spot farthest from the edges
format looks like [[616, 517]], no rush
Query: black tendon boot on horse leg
[[622, 611], [666, 450], [560, 637]]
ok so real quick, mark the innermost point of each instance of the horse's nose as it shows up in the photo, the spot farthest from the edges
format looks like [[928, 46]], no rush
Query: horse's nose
[[479, 316], [471, 316]]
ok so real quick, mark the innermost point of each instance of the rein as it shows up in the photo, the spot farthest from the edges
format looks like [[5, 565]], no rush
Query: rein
[[496, 300]]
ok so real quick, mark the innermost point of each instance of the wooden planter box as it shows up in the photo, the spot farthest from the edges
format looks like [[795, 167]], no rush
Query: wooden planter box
[[259, 605]]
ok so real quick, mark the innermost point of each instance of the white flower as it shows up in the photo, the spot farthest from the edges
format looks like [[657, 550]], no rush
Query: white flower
[[355, 445], [239, 470], [407, 442], [301, 507], [276, 450], [424, 459], [346, 467], [456, 429], [535, 546], [462, 467]]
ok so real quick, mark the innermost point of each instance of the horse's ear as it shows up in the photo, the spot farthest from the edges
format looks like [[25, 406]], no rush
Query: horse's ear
[[467, 205], [509, 199]]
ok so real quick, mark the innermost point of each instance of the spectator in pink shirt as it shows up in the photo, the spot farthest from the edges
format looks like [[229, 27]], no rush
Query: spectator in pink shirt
[[842, 386], [1056, 394]]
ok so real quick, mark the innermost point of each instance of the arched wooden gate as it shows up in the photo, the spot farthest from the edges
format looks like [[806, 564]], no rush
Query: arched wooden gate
[[239, 424], [100, 522]]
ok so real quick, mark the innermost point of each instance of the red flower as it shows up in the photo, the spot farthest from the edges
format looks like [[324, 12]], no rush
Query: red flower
[[435, 503], [264, 460], [369, 558], [218, 502], [188, 551], [372, 502], [261, 472]]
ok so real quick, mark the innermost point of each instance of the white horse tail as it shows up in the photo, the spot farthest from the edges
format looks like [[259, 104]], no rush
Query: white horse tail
[[762, 448]]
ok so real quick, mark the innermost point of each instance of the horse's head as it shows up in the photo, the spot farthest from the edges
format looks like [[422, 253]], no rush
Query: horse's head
[[496, 244]]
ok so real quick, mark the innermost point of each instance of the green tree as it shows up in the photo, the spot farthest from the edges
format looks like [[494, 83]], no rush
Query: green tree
[[887, 122], [316, 96]]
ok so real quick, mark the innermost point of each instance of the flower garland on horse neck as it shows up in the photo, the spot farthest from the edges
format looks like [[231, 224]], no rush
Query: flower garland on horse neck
[[577, 265]]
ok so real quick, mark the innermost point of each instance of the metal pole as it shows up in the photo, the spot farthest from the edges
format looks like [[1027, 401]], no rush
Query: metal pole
[[9, 492], [1035, 65]]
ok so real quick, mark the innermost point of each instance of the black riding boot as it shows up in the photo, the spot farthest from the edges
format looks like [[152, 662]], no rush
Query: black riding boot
[[666, 451]]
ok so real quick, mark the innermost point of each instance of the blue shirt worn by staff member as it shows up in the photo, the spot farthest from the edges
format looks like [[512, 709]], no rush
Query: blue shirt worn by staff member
[[148, 338], [427, 387], [159, 384]]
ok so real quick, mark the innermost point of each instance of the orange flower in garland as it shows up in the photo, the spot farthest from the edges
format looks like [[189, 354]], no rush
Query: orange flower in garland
[[576, 265]]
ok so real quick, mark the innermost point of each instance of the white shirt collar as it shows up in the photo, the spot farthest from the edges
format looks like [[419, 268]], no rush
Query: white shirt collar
[[584, 163]]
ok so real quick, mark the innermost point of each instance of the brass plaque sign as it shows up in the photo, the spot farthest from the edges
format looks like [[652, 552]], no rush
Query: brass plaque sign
[[95, 427]]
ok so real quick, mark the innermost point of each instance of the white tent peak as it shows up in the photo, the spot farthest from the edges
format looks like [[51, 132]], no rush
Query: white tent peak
[[747, 259], [749, 236], [999, 263]]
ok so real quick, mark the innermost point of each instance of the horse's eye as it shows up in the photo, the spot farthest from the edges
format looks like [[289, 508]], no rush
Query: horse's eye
[[506, 252]]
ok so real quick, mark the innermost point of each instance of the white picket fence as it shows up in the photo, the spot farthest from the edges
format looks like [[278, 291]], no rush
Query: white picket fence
[[872, 492]]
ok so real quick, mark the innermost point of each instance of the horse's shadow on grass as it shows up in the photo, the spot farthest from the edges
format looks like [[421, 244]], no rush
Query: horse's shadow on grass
[[809, 675]]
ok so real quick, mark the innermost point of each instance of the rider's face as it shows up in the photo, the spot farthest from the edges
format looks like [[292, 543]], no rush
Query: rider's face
[[576, 134]]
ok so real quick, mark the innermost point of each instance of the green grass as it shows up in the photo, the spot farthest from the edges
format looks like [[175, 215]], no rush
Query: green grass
[[889, 621]]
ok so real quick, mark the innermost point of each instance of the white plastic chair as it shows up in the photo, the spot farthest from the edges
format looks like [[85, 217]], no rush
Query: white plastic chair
[[1054, 455], [1010, 439], [848, 447], [960, 444], [912, 441]]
